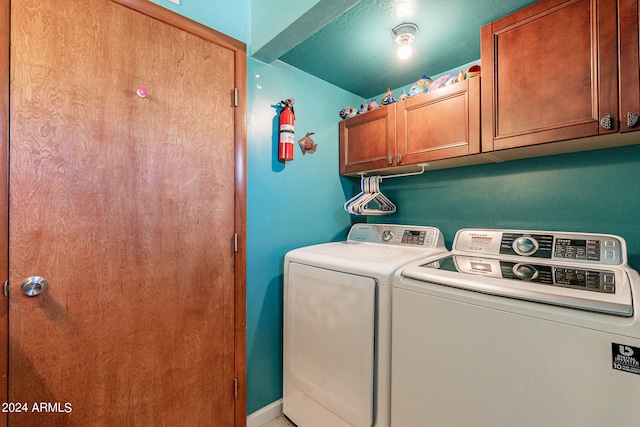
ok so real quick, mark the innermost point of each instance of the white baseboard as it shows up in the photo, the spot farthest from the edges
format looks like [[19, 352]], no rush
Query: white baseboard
[[265, 414]]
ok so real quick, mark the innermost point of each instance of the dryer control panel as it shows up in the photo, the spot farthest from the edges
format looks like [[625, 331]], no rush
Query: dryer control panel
[[392, 234], [578, 247]]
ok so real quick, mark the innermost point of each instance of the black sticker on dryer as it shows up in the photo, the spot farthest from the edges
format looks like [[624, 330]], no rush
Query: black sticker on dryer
[[626, 358]]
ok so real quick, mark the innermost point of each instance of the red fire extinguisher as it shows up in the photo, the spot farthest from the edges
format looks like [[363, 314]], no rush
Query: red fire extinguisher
[[285, 144]]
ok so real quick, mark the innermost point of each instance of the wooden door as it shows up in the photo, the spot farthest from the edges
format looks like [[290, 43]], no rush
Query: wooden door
[[549, 73], [368, 141], [628, 22], [127, 206], [4, 208], [440, 124]]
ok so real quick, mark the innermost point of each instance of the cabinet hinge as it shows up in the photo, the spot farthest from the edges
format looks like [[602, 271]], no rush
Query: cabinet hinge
[[235, 96], [235, 242], [6, 288], [235, 388]]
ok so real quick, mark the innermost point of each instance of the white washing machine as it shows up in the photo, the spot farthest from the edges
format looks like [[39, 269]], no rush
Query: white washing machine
[[337, 324], [518, 328]]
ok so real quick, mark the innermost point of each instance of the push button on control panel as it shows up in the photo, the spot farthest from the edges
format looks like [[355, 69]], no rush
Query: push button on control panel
[[581, 249], [584, 279], [416, 237], [599, 250]]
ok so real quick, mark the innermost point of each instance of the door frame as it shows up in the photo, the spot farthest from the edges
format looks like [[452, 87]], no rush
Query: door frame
[[237, 98], [5, 19]]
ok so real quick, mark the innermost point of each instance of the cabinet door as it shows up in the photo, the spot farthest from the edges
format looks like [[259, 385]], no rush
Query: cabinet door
[[440, 124], [368, 141], [550, 73], [629, 65]]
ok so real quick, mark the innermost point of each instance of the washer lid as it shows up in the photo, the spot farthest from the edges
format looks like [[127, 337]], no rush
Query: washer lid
[[594, 288]]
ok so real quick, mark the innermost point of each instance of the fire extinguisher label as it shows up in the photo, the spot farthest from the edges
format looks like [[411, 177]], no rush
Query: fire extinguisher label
[[286, 138]]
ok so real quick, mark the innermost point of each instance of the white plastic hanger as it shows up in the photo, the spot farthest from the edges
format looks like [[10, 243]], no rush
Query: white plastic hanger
[[370, 193], [385, 206], [361, 203]]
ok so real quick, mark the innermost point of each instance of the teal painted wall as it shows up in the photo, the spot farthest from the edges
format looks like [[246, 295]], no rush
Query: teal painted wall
[[228, 17], [288, 205], [593, 191]]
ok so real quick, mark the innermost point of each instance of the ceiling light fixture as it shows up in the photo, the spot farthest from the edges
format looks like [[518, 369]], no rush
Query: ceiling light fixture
[[403, 35]]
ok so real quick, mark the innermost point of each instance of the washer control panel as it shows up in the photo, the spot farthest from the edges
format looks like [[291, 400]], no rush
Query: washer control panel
[[589, 279], [411, 235], [578, 247], [538, 245]]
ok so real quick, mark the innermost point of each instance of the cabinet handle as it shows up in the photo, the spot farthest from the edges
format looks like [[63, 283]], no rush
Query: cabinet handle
[[390, 160], [632, 119], [399, 158], [606, 122]]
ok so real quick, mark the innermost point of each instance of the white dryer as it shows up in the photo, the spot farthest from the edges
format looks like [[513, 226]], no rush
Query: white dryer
[[512, 327], [337, 324]]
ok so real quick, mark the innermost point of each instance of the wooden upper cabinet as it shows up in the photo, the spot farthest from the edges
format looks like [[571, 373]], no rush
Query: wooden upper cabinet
[[441, 124], [550, 73], [629, 65], [368, 141]]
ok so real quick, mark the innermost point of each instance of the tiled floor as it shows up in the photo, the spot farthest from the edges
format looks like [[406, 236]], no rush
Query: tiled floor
[[281, 421]]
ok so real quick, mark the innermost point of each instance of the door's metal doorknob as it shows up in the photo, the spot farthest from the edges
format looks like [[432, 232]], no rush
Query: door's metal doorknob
[[34, 285]]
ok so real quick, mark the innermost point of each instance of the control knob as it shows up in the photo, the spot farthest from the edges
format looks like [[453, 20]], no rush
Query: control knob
[[387, 235], [525, 245], [525, 272]]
